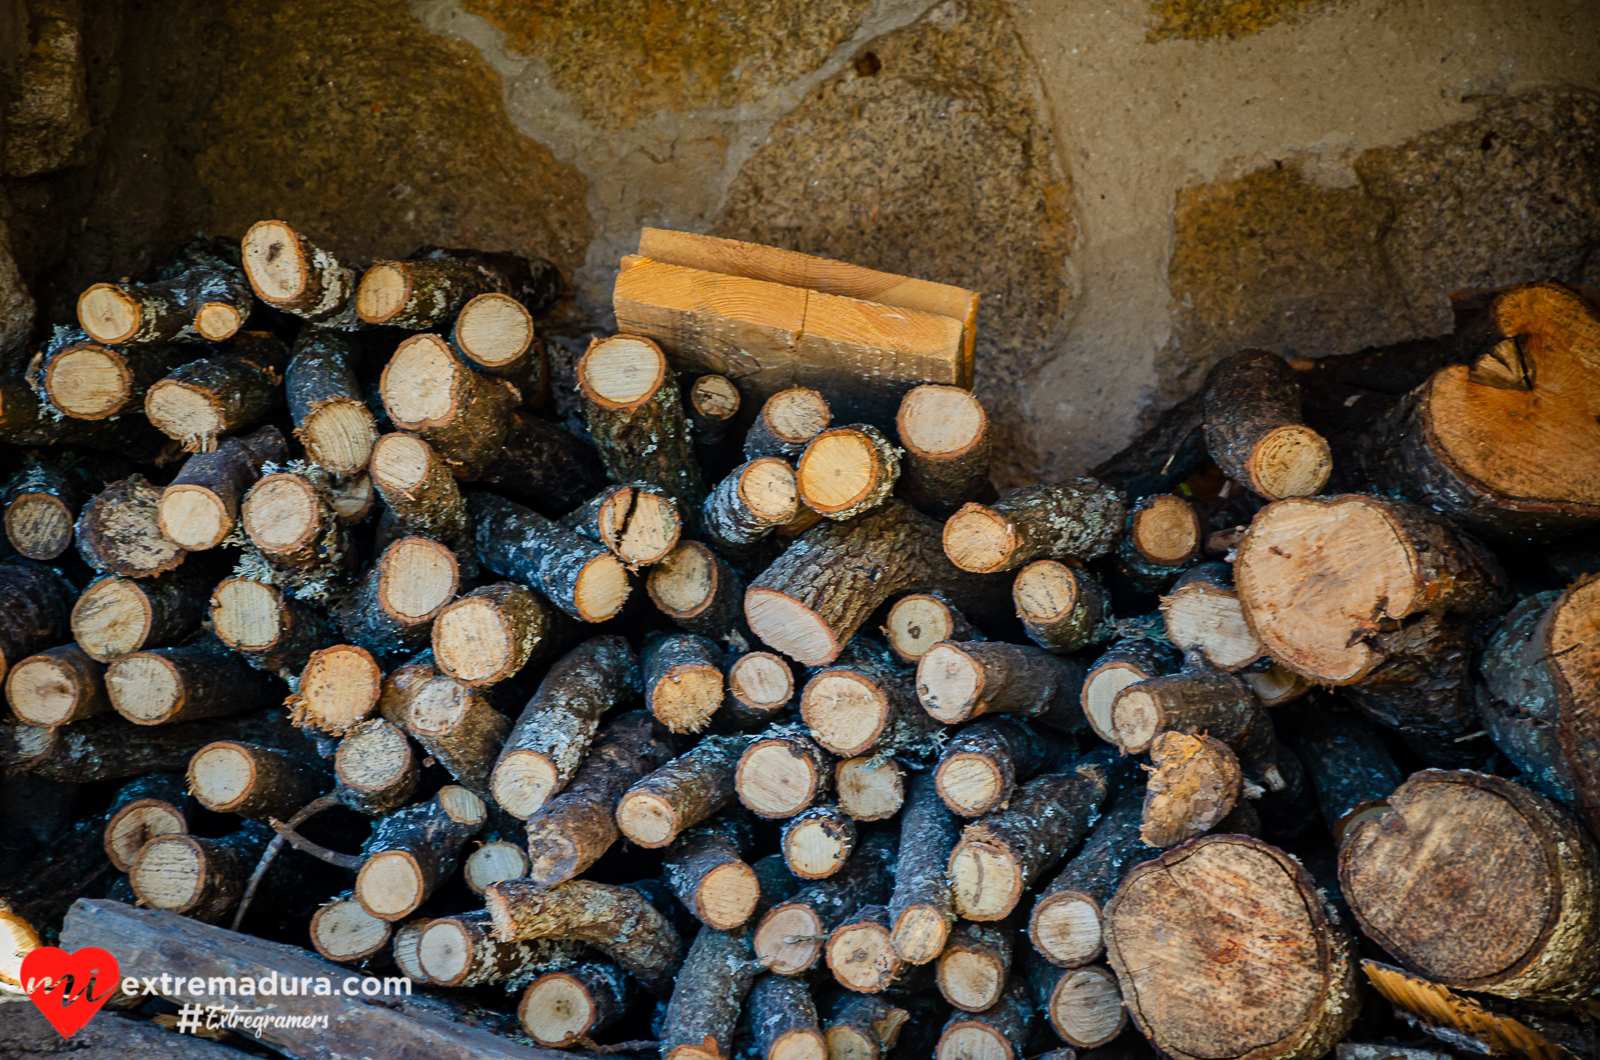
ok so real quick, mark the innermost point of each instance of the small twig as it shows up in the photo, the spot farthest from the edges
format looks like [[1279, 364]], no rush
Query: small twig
[[620, 1047], [322, 853], [315, 806]]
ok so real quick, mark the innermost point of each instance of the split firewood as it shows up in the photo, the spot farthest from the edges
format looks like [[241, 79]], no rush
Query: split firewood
[[56, 687], [1081, 519], [109, 747], [1202, 613], [1199, 699], [343, 931], [462, 951], [1066, 923], [118, 531], [1126, 662], [683, 681], [713, 402], [413, 850], [788, 420], [464, 415], [636, 416], [945, 432], [706, 871], [1229, 891], [1501, 442], [376, 767], [395, 604], [491, 633], [1349, 768], [1539, 674], [682, 793], [1064, 608], [546, 747], [1452, 1018], [42, 500], [459, 728], [957, 682], [697, 589], [197, 878], [789, 939], [579, 576], [1512, 915], [742, 511], [430, 288], [921, 906], [918, 621], [117, 615], [870, 787], [330, 413], [846, 471], [980, 768], [203, 400], [640, 523], [198, 680], [1164, 535], [290, 273], [417, 486], [253, 781], [1084, 1005], [617, 921], [1000, 856], [273, 632], [760, 687], [1254, 430], [781, 772], [865, 701], [1195, 784], [154, 805], [1393, 585], [997, 1032], [975, 966], [495, 334], [544, 464], [201, 505], [782, 1018], [290, 518], [566, 1007], [818, 841]]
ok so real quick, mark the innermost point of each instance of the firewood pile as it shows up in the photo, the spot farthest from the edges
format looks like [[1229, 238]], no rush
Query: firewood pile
[[756, 721]]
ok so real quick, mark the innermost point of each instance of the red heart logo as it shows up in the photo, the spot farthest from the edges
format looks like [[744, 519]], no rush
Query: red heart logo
[[69, 988]]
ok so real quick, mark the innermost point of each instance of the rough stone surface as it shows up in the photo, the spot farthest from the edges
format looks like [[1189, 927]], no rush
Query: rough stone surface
[[928, 157], [1200, 19], [24, 1034], [47, 108]]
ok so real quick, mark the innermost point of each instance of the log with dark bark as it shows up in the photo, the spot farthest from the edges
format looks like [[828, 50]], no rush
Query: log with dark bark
[[1195, 783], [788, 420], [395, 604], [200, 506], [413, 850], [376, 767], [544, 464], [993, 1034], [290, 273], [56, 687], [42, 498], [742, 511], [119, 532], [975, 966], [88, 381], [547, 745], [153, 805], [846, 471], [945, 432], [200, 402], [579, 576], [1539, 679], [1081, 519], [337, 690], [458, 728], [862, 957], [980, 768], [290, 518], [1349, 769], [206, 302], [700, 592], [491, 633], [713, 402], [431, 287], [1126, 662], [563, 1008], [109, 747], [1200, 699], [461, 951], [1478, 884], [617, 921], [781, 772], [1254, 430], [417, 486], [35, 602], [957, 682], [1202, 613], [1232, 894], [921, 904], [273, 632], [495, 334], [199, 878], [1084, 1005], [783, 1020], [1000, 856], [1066, 923], [706, 871], [864, 702], [682, 793], [1164, 535], [640, 523], [464, 415], [330, 412], [864, 1027], [202, 679], [28, 420], [683, 684], [789, 938], [760, 687], [254, 781], [1063, 607], [636, 416]]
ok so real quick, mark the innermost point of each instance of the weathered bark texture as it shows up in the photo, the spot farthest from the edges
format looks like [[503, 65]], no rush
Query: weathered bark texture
[[921, 906], [202, 679], [959, 682], [203, 400], [464, 415], [681, 793], [330, 413], [579, 576], [200, 506], [119, 531], [413, 850], [1254, 430], [1081, 519], [636, 416], [1064, 608], [617, 921], [1066, 923]]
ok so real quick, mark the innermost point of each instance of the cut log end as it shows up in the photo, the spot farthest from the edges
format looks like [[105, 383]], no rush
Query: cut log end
[[686, 697], [89, 382], [493, 862], [796, 415], [979, 539], [400, 461], [1066, 928], [185, 413], [949, 683], [170, 873], [870, 787], [146, 689], [838, 470], [343, 931], [861, 955], [417, 576], [217, 321], [39, 525], [790, 626], [728, 895], [761, 681], [391, 884], [383, 292], [818, 842], [247, 614], [523, 781], [493, 330], [775, 781], [274, 263], [941, 421], [789, 940], [108, 314], [1292, 461], [1195, 785], [714, 397], [768, 487], [641, 526], [1085, 1007], [973, 1040], [52, 688], [557, 1009], [136, 824], [340, 435], [445, 951], [282, 513], [339, 688], [1167, 530], [970, 784], [476, 640], [916, 623], [1100, 691], [622, 372], [222, 775], [1135, 720], [601, 588], [985, 880], [920, 934], [423, 382], [1045, 591], [376, 757], [647, 819], [194, 517], [845, 711]]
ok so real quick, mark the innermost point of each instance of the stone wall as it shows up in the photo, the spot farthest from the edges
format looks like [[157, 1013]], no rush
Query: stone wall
[[1136, 189]]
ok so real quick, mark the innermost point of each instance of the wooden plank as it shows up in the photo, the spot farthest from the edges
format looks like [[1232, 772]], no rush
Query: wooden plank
[[733, 257], [860, 355]]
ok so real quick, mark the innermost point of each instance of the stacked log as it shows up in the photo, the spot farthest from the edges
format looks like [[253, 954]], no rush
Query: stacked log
[[880, 757]]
